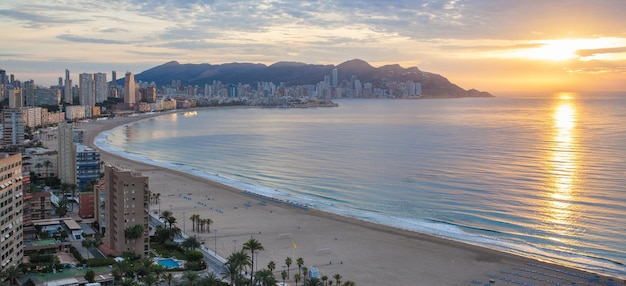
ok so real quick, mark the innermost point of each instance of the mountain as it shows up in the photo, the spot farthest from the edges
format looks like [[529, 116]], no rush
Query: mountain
[[296, 73]]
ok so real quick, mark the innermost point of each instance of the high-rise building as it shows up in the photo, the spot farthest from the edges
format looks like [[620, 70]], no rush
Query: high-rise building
[[335, 77], [87, 165], [67, 88], [129, 89], [13, 123], [3, 77], [126, 209], [86, 92], [16, 98], [11, 198], [101, 87], [67, 153]]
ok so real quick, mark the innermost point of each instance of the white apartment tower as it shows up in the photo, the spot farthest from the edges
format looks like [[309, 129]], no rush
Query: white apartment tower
[[101, 87], [86, 93]]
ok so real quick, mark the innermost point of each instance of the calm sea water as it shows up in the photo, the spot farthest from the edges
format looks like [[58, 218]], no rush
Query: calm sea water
[[541, 176]]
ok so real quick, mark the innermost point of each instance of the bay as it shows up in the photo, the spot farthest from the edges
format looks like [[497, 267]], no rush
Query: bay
[[536, 175]]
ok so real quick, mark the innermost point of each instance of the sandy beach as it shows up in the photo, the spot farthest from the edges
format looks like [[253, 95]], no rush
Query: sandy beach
[[363, 252]]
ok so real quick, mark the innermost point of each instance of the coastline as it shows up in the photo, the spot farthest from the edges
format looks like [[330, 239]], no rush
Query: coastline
[[364, 252]]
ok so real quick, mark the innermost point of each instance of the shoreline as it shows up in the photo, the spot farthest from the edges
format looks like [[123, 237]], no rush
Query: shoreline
[[361, 251]]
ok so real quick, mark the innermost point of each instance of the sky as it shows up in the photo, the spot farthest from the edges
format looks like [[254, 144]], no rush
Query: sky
[[490, 45]]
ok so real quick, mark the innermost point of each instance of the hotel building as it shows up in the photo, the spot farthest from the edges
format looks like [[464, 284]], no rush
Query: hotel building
[[127, 203]]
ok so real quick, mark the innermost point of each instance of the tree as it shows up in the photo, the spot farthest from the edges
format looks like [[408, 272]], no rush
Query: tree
[[190, 277], [11, 274], [169, 277], [150, 279], [38, 167], [349, 283], [165, 215], [284, 276], [190, 243], [133, 232], [47, 164], [337, 279], [208, 223], [73, 188], [90, 276], [300, 262], [305, 272], [194, 219], [288, 263], [313, 282], [252, 245], [230, 270], [325, 279], [296, 277], [211, 280], [271, 266], [87, 243], [264, 277], [61, 207]]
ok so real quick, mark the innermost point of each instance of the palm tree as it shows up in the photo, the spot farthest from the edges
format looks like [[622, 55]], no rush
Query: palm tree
[[194, 218], [337, 278], [300, 262], [165, 215], [211, 280], [264, 277], [305, 272], [133, 232], [325, 279], [313, 282], [190, 243], [150, 279], [87, 243], [169, 277], [230, 270], [349, 283], [208, 223], [73, 188], [252, 245], [191, 277], [284, 276], [38, 167], [271, 266], [61, 207], [171, 221], [288, 263], [11, 274], [47, 164], [296, 277]]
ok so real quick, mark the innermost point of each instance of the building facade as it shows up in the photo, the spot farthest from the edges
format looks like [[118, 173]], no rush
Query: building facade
[[87, 165], [130, 89], [67, 153], [13, 124], [127, 206], [11, 213]]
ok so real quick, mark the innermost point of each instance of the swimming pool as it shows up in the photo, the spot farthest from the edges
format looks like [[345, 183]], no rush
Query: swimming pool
[[168, 263]]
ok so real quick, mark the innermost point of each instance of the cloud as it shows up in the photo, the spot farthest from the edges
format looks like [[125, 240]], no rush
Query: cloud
[[113, 30], [36, 20], [593, 52], [78, 39]]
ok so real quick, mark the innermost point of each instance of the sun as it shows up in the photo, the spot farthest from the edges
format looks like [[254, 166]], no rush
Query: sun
[[561, 49], [554, 50]]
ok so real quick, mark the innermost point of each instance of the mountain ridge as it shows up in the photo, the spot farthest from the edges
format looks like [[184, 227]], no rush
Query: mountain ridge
[[298, 73]]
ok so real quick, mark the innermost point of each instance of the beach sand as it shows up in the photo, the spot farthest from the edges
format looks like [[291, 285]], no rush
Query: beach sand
[[363, 252]]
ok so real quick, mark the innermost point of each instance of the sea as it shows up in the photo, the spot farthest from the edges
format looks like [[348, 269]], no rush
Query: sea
[[538, 175]]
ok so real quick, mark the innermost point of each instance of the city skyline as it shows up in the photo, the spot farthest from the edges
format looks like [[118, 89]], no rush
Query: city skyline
[[496, 46]]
